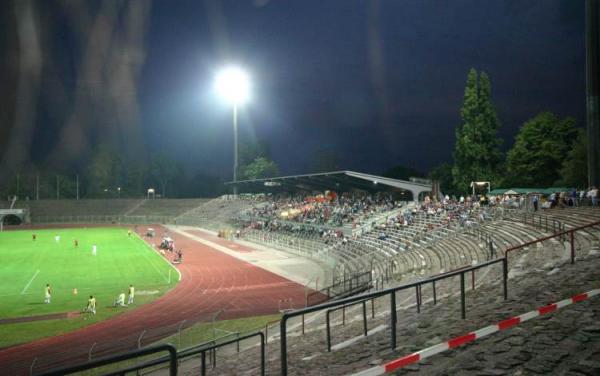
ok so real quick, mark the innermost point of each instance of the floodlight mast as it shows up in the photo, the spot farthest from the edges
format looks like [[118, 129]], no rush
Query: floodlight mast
[[233, 85]]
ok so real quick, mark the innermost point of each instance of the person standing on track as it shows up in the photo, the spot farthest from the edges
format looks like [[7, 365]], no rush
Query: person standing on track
[[47, 294], [131, 294]]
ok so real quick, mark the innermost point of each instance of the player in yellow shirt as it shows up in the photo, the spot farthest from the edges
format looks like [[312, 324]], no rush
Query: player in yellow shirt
[[91, 306]]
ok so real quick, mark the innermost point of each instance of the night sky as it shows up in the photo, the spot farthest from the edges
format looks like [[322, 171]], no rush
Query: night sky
[[379, 83]]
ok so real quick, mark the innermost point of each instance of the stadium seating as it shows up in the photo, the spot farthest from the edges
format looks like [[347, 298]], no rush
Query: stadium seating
[[419, 330]]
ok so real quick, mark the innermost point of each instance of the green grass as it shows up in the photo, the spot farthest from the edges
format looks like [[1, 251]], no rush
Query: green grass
[[28, 265]]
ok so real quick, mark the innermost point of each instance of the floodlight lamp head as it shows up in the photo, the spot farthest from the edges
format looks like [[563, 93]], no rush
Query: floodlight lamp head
[[233, 85]]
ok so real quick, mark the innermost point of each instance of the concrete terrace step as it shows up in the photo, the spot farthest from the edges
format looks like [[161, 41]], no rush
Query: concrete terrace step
[[434, 324]]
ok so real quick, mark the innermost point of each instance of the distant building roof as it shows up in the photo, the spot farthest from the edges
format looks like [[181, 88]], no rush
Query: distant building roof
[[335, 180]]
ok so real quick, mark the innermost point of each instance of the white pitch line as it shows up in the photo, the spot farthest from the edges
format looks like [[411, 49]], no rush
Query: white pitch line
[[29, 283]]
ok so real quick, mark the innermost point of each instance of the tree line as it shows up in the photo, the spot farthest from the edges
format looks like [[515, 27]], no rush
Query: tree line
[[547, 151], [108, 175]]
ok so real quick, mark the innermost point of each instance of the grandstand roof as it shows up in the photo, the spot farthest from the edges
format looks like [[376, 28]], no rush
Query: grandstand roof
[[335, 180]]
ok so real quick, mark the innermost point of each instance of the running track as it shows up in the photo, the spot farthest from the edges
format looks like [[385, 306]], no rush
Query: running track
[[211, 281]]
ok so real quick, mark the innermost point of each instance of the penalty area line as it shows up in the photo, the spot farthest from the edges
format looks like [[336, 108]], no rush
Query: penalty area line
[[29, 283]]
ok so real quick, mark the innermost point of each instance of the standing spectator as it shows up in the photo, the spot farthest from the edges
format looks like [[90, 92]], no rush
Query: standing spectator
[[131, 294], [47, 294], [535, 203], [593, 193]]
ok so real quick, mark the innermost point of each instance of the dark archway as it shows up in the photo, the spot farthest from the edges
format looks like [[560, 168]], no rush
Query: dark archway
[[11, 220]]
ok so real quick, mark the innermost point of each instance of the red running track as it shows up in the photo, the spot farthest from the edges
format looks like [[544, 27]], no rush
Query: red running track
[[211, 281]]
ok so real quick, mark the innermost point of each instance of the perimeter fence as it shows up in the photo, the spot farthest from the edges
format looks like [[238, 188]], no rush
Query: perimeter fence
[[184, 336]]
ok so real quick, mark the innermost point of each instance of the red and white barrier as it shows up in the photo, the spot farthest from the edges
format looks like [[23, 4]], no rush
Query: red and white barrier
[[472, 336]]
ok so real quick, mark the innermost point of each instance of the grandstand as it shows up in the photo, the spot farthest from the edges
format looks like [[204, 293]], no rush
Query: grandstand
[[432, 252], [422, 323]]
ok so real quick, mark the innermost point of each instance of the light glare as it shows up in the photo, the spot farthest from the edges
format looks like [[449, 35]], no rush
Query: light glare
[[233, 85]]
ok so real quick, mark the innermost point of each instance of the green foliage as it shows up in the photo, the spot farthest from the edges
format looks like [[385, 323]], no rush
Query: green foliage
[[574, 168], [249, 151], [103, 171], [443, 174], [541, 147], [162, 171], [477, 153], [259, 168]]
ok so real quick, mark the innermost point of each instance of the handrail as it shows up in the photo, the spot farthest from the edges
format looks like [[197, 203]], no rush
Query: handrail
[[392, 291], [570, 233], [202, 351], [377, 294], [126, 356]]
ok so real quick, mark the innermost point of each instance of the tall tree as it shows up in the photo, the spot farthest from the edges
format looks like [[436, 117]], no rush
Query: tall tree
[[260, 168], [477, 153], [103, 171], [574, 168], [443, 174], [540, 148], [163, 169]]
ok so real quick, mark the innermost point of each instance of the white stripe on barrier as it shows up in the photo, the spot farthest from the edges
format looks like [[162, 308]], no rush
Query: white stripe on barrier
[[593, 293], [459, 341], [563, 303], [430, 351], [529, 315], [486, 331]]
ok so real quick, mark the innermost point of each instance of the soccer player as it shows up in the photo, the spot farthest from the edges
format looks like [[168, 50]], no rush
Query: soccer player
[[76, 242], [91, 306], [131, 294], [129, 233], [94, 250], [33, 236], [57, 238], [47, 294], [120, 301]]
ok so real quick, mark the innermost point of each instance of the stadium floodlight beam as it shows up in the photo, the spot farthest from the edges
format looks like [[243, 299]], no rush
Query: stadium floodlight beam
[[233, 85]]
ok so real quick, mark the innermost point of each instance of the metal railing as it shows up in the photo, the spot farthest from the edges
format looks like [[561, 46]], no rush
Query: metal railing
[[202, 350], [331, 306], [348, 286], [391, 292], [172, 359]]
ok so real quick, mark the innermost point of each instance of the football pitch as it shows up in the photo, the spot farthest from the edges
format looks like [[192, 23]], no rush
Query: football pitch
[[74, 274]]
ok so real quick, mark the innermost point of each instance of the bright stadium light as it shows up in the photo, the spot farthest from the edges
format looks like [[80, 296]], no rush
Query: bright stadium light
[[233, 85]]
